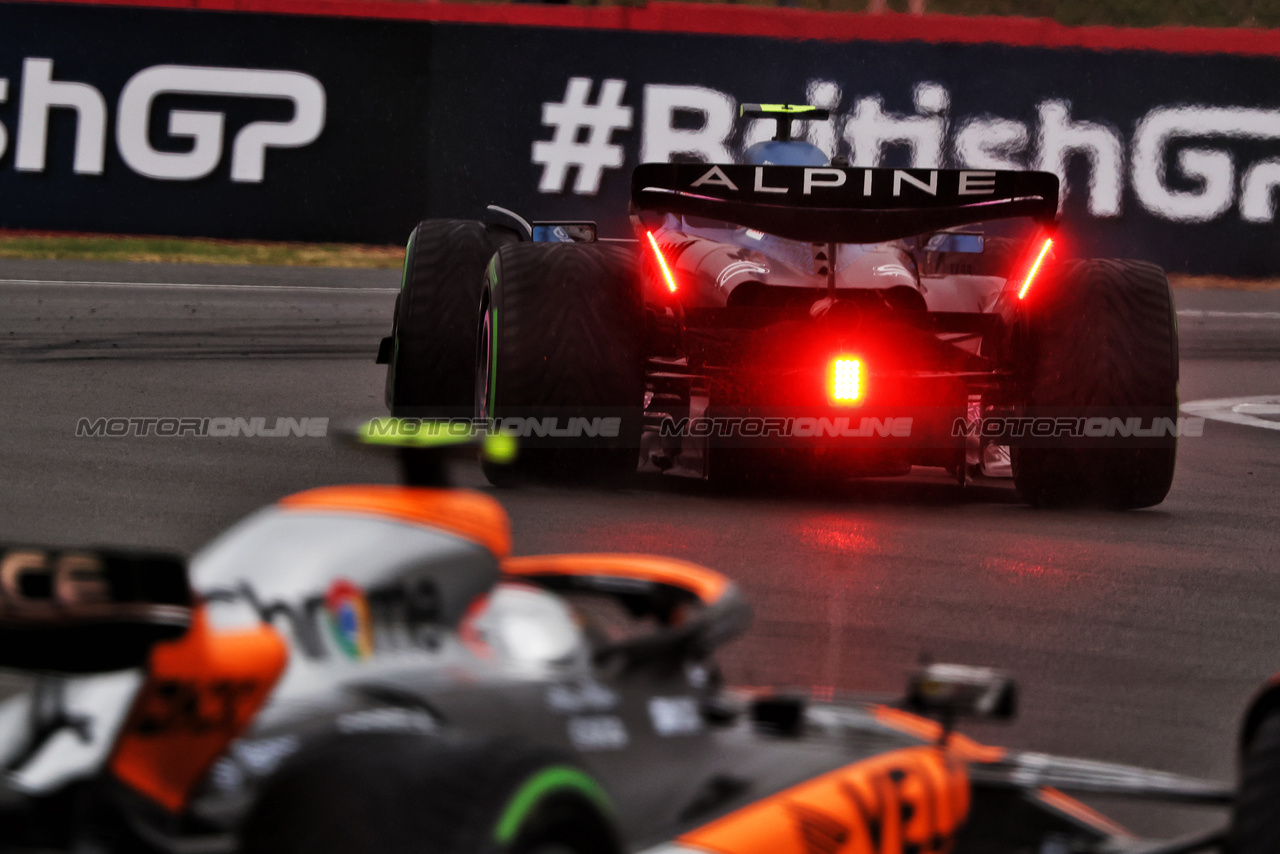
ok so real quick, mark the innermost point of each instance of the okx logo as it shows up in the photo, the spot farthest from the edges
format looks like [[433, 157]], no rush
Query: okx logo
[[348, 614], [40, 94]]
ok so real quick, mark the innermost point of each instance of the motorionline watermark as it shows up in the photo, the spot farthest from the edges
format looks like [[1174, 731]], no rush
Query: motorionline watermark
[[1003, 427], [1078, 427], [574, 427], [219, 427], [610, 427], [803, 427], [720, 427], [806, 427]]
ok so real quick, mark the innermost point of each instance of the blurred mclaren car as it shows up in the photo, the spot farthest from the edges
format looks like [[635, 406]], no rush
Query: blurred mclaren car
[[791, 317], [368, 669]]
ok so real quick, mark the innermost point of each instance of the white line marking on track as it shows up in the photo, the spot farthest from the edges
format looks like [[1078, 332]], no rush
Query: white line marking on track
[[196, 286], [1239, 410], [1239, 315], [1189, 313]]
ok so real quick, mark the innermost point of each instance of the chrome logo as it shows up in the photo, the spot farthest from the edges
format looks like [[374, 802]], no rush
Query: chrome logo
[[348, 615]]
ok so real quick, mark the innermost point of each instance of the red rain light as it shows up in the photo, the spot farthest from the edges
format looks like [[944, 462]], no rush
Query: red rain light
[[846, 380], [662, 263], [1035, 268]]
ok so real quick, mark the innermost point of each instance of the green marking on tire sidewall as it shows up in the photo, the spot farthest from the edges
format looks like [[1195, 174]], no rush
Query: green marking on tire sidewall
[[548, 781], [408, 250], [491, 279], [404, 278]]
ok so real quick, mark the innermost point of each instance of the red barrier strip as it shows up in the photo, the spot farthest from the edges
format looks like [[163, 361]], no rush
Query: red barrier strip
[[733, 20]]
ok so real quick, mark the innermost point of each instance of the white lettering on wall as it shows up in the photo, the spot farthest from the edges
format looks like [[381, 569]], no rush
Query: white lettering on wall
[[40, 94], [1060, 138], [205, 129], [661, 139], [1212, 170]]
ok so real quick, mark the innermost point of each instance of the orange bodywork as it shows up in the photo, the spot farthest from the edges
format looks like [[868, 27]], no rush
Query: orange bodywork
[[202, 691], [470, 515], [914, 798], [701, 582], [958, 744], [1081, 812]]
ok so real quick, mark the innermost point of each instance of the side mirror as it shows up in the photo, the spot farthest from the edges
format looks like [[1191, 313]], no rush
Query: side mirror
[[564, 232], [88, 610], [952, 691]]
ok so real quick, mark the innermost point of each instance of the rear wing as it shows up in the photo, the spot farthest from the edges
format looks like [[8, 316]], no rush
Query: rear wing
[[834, 204]]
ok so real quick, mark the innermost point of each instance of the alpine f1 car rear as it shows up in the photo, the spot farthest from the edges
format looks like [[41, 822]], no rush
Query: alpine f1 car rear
[[800, 318], [816, 320]]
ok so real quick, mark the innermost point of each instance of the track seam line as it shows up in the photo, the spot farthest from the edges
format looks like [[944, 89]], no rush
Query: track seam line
[[194, 286], [1189, 313], [1244, 315]]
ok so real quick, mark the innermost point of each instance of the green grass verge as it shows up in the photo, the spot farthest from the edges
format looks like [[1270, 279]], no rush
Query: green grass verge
[[1203, 283], [175, 250], [197, 251]]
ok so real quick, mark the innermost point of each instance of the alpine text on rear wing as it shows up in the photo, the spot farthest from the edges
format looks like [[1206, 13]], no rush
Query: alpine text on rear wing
[[842, 204]]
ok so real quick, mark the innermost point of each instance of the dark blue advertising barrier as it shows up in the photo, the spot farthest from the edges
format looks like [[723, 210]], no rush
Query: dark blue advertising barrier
[[314, 127], [154, 121]]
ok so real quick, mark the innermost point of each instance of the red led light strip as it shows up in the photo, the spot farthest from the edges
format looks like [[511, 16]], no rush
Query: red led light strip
[[1035, 268], [662, 262]]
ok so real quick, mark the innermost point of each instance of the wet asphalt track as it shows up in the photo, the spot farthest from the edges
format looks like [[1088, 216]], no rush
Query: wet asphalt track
[[1136, 636]]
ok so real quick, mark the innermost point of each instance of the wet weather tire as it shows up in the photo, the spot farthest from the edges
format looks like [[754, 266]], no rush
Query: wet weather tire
[[561, 339], [434, 329], [392, 793], [1102, 342]]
